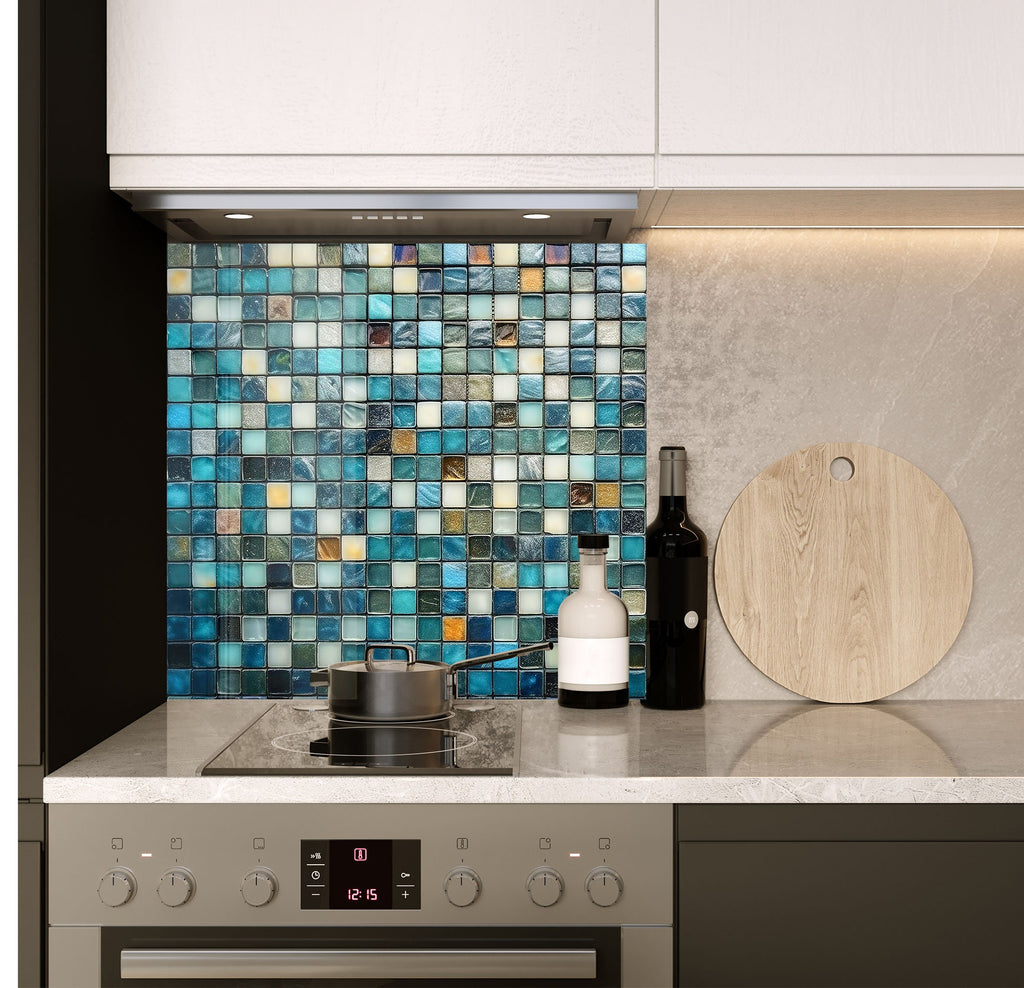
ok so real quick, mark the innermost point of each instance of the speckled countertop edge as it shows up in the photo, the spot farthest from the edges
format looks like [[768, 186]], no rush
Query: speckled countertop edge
[[293, 789], [728, 752]]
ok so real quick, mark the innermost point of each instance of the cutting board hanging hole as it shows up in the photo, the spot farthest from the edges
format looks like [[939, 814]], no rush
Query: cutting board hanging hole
[[841, 468]]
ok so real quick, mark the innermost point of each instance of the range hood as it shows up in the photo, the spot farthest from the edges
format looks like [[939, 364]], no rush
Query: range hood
[[372, 215]]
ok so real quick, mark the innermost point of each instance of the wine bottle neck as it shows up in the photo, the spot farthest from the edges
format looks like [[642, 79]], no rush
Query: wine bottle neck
[[593, 570], [672, 482]]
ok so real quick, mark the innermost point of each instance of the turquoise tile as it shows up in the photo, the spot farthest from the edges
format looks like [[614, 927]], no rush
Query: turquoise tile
[[353, 281], [353, 306], [379, 307], [455, 254], [303, 279]]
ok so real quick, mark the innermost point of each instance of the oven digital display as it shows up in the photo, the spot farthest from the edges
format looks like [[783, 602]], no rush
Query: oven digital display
[[360, 874]]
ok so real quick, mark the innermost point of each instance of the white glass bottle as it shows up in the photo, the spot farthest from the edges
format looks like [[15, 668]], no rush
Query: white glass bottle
[[593, 636]]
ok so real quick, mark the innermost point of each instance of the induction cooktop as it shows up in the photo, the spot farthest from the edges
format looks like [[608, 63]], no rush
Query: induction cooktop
[[301, 739]]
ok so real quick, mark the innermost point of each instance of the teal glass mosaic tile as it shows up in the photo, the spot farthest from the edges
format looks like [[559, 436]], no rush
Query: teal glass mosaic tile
[[397, 442]]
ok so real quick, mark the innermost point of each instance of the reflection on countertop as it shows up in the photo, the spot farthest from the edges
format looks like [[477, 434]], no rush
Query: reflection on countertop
[[761, 739], [729, 751]]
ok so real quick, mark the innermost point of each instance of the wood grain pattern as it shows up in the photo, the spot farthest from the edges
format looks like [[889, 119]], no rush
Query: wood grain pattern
[[843, 591]]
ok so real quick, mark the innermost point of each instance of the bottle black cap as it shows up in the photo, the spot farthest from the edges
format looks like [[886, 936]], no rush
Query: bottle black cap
[[592, 541]]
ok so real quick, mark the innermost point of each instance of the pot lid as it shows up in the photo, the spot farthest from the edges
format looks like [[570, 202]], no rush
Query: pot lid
[[389, 666]]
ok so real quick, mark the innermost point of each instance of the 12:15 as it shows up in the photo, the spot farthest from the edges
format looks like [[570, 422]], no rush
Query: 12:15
[[354, 895]]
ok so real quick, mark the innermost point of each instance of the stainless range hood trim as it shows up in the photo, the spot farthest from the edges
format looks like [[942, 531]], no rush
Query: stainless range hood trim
[[346, 214], [384, 201]]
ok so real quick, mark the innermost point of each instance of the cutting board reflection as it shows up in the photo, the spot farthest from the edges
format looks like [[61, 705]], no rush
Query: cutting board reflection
[[843, 590], [827, 742]]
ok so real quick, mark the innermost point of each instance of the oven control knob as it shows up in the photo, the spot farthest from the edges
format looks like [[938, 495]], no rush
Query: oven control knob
[[462, 886], [117, 887], [176, 887], [259, 886], [604, 887], [545, 886]]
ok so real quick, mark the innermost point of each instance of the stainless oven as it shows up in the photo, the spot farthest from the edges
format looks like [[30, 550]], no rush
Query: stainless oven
[[315, 894]]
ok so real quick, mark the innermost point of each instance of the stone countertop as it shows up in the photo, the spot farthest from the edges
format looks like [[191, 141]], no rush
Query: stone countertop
[[968, 751]]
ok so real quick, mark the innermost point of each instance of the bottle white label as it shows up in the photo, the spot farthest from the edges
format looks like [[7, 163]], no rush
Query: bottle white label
[[592, 664]]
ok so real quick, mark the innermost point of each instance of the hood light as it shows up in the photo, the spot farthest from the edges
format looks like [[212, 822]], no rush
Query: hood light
[[536, 216], [238, 216]]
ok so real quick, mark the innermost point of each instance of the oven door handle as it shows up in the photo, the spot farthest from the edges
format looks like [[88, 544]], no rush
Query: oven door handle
[[446, 965]]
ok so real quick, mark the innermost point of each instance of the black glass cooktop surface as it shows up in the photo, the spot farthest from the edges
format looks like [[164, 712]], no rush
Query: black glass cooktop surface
[[292, 739]]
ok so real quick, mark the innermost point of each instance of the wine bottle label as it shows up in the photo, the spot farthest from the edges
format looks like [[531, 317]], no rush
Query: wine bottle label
[[592, 664], [676, 588]]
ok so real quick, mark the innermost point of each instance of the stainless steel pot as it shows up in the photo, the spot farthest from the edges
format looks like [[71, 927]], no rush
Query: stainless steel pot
[[395, 690]]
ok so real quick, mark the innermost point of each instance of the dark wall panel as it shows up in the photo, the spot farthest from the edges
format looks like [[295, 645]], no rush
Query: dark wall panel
[[104, 380]]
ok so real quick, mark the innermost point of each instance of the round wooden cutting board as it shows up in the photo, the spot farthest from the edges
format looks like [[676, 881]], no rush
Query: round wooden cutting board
[[843, 590]]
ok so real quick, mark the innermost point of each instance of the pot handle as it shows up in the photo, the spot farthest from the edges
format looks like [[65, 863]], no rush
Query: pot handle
[[319, 677], [480, 660], [410, 655]]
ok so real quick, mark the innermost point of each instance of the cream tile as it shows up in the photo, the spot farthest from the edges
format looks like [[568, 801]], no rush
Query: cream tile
[[405, 281], [634, 278], [279, 255], [380, 255], [304, 255]]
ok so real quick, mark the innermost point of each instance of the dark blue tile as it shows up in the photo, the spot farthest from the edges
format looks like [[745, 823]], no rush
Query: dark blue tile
[[179, 682]]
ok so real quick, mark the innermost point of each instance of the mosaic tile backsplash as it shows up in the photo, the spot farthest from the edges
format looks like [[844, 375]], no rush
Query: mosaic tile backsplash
[[397, 442]]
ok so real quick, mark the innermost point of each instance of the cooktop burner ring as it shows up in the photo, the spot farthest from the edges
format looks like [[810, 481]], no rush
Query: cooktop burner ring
[[336, 721], [301, 741]]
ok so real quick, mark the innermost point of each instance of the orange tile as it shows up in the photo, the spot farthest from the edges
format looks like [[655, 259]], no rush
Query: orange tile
[[328, 547], [403, 441], [480, 254], [454, 629], [607, 495], [531, 279]]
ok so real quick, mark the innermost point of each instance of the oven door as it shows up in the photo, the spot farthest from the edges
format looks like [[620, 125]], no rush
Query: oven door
[[398, 956]]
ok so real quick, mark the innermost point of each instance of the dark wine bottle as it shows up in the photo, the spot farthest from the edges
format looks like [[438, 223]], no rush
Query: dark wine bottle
[[677, 594]]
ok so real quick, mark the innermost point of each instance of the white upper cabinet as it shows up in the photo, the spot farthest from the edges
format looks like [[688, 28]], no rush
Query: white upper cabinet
[[570, 94], [384, 79], [866, 79]]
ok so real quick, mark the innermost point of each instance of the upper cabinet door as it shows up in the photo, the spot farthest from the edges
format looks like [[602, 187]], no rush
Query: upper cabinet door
[[827, 77], [384, 77]]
